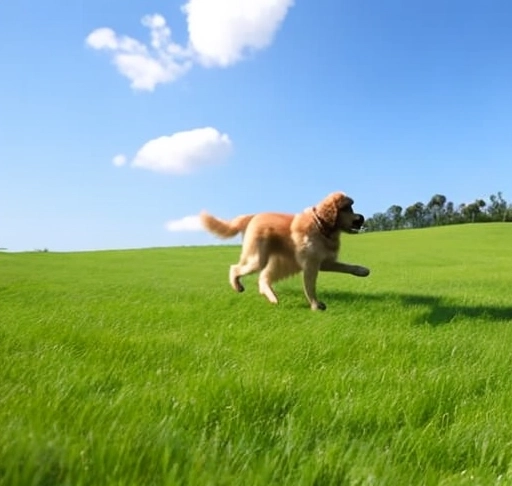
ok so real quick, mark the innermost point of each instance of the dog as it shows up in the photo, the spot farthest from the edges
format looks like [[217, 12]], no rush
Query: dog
[[279, 245]]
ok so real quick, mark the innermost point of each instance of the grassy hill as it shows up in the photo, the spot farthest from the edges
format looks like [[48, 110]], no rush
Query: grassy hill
[[144, 367]]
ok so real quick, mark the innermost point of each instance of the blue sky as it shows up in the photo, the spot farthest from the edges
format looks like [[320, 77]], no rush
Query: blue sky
[[244, 107]]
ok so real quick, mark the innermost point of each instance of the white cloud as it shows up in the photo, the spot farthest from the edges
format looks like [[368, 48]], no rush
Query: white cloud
[[188, 223], [221, 33], [184, 152], [119, 160], [164, 61]]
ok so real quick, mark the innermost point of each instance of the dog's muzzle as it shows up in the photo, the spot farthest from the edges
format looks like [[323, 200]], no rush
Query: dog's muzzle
[[358, 222]]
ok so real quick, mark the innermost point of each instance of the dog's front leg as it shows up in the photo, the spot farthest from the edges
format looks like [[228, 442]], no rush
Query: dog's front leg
[[357, 270], [310, 274]]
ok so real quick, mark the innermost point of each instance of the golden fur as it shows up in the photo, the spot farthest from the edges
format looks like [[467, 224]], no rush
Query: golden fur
[[279, 245]]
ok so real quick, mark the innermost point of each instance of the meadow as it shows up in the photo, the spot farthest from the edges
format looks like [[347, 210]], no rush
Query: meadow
[[143, 367]]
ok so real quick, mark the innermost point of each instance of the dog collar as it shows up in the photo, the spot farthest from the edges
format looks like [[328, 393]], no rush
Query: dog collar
[[322, 225]]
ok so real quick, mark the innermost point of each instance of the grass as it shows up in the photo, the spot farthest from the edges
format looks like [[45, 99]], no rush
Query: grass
[[143, 367]]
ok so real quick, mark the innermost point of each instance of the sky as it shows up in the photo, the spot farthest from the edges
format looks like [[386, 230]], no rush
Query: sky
[[120, 121]]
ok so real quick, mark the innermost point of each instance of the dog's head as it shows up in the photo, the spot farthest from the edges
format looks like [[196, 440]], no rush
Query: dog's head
[[336, 213]]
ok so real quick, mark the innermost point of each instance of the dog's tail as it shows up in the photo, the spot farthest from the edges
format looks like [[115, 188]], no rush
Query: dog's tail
[[225, 229]]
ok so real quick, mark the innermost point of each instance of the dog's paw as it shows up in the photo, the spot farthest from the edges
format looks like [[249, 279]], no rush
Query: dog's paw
[[361, 271], [237, 286], [318, 306]]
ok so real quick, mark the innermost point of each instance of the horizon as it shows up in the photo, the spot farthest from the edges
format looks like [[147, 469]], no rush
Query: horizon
[[236, 241]]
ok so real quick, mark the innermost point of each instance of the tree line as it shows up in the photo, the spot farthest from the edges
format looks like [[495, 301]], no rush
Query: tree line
[[439, 211]]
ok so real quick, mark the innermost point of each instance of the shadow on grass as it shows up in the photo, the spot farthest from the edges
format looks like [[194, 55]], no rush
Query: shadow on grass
[[437, 310]]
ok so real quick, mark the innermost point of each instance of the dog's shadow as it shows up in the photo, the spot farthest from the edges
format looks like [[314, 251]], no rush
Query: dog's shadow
[[437, 309]]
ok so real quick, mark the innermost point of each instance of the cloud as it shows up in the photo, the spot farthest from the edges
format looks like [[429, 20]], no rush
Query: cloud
[[162, 62], [221, 33], [184, 152], [119, 160], [188, 223]]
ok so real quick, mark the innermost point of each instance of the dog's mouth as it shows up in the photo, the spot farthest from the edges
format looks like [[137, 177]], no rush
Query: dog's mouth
[[357, 223]]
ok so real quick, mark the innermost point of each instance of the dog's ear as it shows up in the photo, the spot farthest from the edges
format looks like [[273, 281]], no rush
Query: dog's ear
[[330, 206]]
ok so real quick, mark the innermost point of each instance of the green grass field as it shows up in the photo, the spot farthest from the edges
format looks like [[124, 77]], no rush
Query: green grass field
[[143, 367]]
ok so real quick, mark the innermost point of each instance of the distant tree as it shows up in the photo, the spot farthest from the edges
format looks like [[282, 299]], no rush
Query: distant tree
[[473, 210], [394, 214], [380, 222], [480, 213], [497, 209], [450, 215], [460, 213], [369, 225], [415, 215], [436, 208], [439, 211]]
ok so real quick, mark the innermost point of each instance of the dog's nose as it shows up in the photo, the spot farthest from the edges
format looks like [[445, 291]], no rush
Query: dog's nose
[[359, 219]]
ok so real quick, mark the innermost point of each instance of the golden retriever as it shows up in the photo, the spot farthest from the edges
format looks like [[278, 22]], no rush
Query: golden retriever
[[279, 245]]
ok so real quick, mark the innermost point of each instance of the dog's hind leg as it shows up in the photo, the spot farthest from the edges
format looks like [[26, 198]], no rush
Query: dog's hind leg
[[244, 267], [264, 283], [252, 260], [258, 259], [267, 269]]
